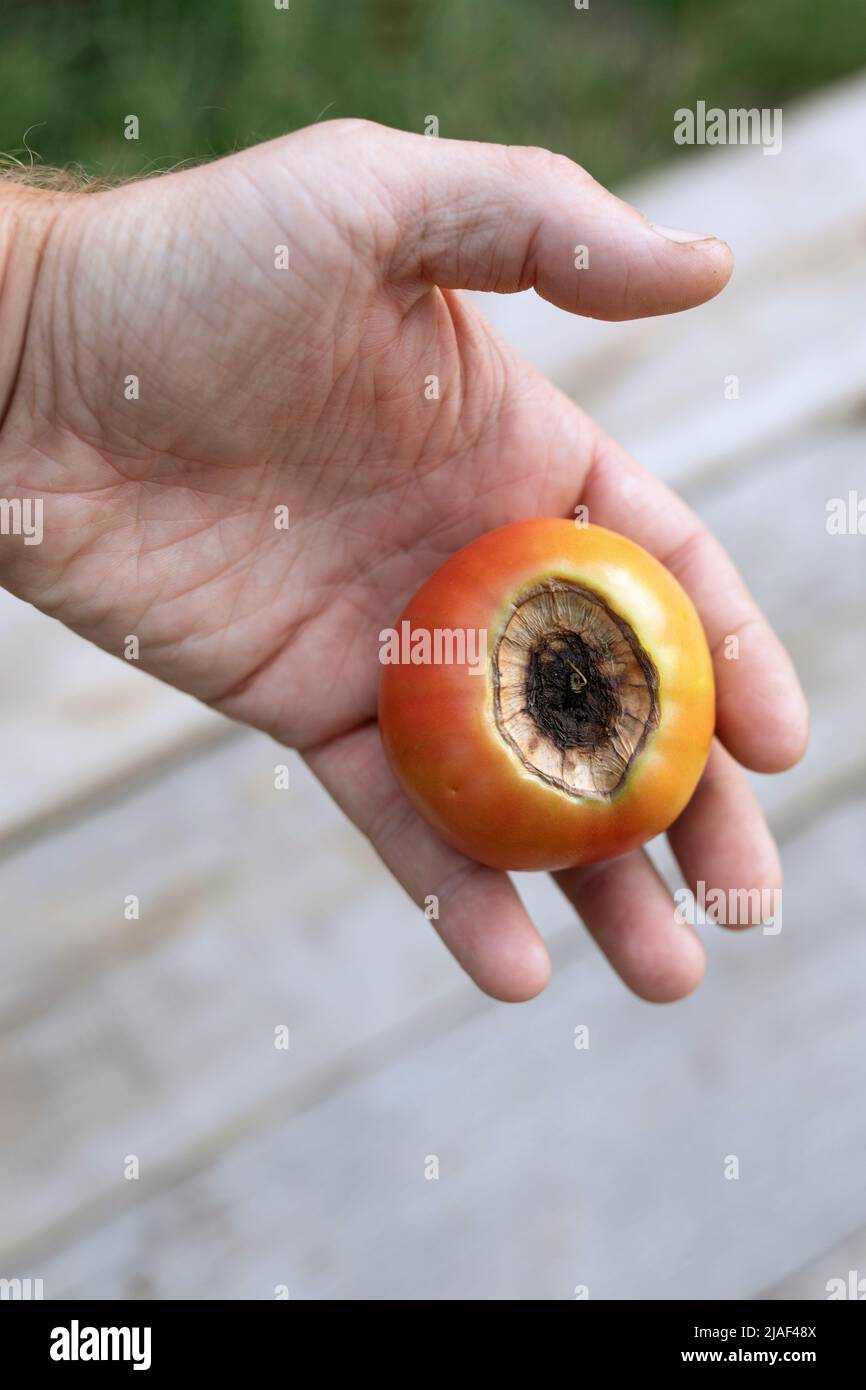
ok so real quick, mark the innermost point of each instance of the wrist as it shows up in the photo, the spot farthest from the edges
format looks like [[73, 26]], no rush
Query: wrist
[[27, 219]]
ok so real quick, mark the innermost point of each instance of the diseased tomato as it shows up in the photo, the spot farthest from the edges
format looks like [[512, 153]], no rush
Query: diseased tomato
[[547, 698]]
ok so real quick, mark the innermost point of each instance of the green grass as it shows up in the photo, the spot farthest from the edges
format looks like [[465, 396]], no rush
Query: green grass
[[208, 76]]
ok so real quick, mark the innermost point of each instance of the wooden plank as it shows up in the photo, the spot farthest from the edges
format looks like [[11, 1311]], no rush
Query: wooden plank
[[257, 908], [821, 1277], [558, 1167], [74, 720]]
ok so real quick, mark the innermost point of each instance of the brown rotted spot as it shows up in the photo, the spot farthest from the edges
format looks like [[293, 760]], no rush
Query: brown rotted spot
[[575, 694]]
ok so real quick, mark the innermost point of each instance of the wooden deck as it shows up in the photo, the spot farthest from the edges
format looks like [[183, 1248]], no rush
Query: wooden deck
[[558, 1167]]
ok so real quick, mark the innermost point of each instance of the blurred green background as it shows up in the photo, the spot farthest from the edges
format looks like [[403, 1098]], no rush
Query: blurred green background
[[208, 76]]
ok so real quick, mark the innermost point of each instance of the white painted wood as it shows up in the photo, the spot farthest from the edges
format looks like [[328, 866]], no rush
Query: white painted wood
[[558, 1167], [74, 720], [820, 1278], [258, 908]]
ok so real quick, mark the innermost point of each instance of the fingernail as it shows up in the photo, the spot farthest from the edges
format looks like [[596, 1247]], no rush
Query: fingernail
[[674, 234]]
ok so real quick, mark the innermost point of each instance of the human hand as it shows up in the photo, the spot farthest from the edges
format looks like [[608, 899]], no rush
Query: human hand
[[261, 387]]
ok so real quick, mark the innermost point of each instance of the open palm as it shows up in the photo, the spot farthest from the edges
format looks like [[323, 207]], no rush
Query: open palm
[[281, 334]]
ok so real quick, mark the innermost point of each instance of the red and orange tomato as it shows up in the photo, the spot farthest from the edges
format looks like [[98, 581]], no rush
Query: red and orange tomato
[[579, 720]]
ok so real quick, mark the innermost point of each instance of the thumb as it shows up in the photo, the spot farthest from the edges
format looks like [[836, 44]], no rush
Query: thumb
[[506, 218]]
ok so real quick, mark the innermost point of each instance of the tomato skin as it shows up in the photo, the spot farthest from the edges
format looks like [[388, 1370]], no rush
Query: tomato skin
[[438, 725]]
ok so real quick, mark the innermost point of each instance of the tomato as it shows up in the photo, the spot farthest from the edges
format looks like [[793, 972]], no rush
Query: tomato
[[547, 698]]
